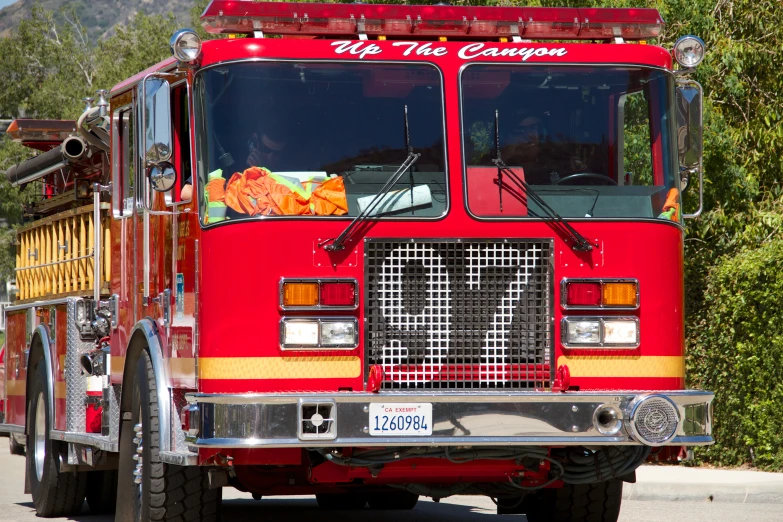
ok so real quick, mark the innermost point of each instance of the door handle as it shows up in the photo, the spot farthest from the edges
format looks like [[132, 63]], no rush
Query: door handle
[[164, 300]]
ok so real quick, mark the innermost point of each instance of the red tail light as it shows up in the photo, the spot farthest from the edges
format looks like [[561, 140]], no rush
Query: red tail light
[[583, 294], [338, 294]]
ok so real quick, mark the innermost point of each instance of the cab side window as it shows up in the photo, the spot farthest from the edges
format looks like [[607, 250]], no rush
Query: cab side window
[[181, 131], [123, 165], [637, 165]]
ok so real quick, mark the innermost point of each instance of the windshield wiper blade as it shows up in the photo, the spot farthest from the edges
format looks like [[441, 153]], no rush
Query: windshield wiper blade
[[413, 157], [581, 243], [339, 242]]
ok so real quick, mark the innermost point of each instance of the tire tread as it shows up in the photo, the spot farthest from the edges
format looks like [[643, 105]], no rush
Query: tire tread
[[176, 493], [597, 502]]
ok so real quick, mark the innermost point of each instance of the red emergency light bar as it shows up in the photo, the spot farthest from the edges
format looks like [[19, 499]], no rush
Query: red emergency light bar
[[351, 20]]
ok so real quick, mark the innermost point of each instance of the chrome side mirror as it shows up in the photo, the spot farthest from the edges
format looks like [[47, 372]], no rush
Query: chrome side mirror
[[689, 113], [157, 119], [162, 176]]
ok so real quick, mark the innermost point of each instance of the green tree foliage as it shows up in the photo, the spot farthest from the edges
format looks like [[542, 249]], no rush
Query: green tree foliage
[[12, 201], [733, 251], [735, 349], [48, 66]]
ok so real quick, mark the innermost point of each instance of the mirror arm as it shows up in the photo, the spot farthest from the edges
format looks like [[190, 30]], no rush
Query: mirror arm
[[701, 194], [683, 72]]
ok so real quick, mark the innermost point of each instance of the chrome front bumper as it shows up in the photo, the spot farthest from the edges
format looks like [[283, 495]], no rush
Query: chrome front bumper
[[458, 419]]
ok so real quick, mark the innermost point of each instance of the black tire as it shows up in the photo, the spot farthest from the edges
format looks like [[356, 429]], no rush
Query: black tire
[[102, 492], [14, 447], [399, 500], [341, 501], [55, 494], [598, 502], [166, 492]]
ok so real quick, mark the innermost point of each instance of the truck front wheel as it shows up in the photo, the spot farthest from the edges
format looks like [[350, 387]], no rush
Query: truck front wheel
[[597, 502], [158, 491], [55, 494]]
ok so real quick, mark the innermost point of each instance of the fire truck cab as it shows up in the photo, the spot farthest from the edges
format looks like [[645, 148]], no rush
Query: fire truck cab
[[366, 252]]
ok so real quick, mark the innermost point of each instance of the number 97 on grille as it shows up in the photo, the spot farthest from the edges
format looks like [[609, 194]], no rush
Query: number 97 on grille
[[400, 419]]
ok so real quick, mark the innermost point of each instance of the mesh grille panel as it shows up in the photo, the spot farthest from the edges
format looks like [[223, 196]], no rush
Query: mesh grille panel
[[459, 314]]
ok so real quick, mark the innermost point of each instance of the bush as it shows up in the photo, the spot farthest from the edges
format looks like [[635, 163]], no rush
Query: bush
[[735, 350]]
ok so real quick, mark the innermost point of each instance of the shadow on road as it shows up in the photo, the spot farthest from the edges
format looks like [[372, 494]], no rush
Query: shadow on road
[[307, 510]]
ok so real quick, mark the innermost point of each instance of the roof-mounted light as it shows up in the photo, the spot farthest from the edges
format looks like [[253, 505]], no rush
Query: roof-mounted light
[[628, 24], [689, 51], [185, 45], [412, 21]]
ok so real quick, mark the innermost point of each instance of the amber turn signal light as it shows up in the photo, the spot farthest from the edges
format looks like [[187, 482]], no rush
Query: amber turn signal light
[[300, 294], [619, 294]]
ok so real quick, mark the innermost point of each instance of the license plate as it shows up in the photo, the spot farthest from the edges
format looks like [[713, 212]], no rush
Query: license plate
[[400, 419]]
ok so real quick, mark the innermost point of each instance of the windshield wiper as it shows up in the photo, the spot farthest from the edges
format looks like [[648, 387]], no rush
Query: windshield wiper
[[413, 157], [581, 243]]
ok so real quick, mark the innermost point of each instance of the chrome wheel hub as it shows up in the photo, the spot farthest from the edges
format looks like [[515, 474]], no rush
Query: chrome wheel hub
[[39, 451]]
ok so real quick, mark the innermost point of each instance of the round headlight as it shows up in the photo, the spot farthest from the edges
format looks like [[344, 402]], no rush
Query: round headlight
[[689, 51], [185, 45]]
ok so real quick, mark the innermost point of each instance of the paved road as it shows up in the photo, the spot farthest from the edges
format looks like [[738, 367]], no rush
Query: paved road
[[237, 507]]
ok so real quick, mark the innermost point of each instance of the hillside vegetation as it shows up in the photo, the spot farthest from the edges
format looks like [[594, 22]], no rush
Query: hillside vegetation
[[97, 16], [734, 252]]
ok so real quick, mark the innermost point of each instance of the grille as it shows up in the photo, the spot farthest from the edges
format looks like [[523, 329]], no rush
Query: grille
[[444, 314]]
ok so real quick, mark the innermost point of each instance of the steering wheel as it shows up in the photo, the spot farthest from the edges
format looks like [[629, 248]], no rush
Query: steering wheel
[[600, 177]]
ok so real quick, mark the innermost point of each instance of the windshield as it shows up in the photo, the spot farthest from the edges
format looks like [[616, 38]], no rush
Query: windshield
[[319, 139], [590, 141]]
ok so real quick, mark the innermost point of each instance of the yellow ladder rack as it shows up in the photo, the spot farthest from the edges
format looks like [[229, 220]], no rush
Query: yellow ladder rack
[[54, 255]]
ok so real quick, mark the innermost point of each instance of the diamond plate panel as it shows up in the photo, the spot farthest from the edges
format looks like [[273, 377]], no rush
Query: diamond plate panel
[[178, 402], [459, 314], [115, 391], [75, 382]]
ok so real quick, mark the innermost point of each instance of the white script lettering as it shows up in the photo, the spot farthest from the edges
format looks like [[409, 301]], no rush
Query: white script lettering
[[477, 50], [421, 50], [360, 48], [468, 52]]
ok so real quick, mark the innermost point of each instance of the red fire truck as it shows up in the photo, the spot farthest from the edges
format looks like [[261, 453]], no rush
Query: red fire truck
[[366, 252]]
